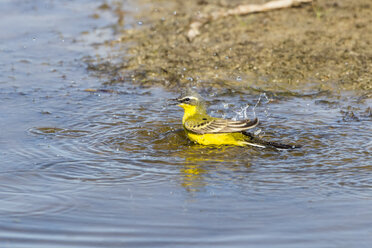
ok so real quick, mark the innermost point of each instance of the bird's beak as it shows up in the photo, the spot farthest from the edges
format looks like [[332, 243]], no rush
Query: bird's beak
[[174, 101]]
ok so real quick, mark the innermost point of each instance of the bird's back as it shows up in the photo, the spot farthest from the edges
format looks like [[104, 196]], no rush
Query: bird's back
[[206, 130]]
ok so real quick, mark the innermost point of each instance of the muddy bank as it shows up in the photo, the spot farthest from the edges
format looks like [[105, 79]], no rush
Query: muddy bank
[[321, 46]]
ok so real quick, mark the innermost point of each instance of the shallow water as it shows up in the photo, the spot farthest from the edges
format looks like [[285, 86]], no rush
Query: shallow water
[[110, 168]]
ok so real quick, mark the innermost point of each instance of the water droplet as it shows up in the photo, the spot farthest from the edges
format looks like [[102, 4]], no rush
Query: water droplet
[[257, 132], [140, 23], [238, 78]]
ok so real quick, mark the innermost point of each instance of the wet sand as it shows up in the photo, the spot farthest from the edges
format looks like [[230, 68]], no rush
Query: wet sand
[[323, 46]]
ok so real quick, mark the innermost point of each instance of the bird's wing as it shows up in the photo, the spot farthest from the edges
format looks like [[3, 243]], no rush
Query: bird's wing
[[217, 125]]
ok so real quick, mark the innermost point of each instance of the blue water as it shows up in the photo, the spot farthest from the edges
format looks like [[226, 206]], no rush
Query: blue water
[[110, 168]]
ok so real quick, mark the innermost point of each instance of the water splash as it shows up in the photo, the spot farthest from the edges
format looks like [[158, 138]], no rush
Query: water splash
[[243, 112], [262, 95]]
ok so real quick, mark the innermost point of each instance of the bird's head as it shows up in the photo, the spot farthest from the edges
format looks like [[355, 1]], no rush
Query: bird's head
[[191, 102], [188, 101]]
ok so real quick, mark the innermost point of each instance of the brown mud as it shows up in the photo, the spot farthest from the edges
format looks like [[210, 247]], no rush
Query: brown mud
[[323, 46]]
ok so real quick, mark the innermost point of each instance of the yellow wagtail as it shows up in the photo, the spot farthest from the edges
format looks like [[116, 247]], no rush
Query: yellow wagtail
[[206, 130]]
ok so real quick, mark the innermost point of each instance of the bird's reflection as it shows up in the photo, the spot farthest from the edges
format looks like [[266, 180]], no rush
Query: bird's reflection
[[201, 162], [192, 178]]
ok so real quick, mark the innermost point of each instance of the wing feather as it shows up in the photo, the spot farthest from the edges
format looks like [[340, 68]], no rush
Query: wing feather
[[216, 125]]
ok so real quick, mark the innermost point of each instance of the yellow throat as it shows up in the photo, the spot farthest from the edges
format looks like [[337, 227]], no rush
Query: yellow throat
[[191, 110]]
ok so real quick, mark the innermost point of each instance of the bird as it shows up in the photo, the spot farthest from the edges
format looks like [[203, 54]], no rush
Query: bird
[[204, 129]]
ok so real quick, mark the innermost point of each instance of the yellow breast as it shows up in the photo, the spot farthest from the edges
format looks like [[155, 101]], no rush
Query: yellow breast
[[236, 139]]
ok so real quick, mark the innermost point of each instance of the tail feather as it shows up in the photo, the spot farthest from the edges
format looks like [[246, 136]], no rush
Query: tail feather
[[255, 141], [254, 144]]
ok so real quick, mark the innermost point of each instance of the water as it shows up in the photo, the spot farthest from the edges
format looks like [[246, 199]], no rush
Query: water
[[110, 168]]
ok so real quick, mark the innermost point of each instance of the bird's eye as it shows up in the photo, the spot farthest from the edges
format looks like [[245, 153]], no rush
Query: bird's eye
[[187, 99]]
